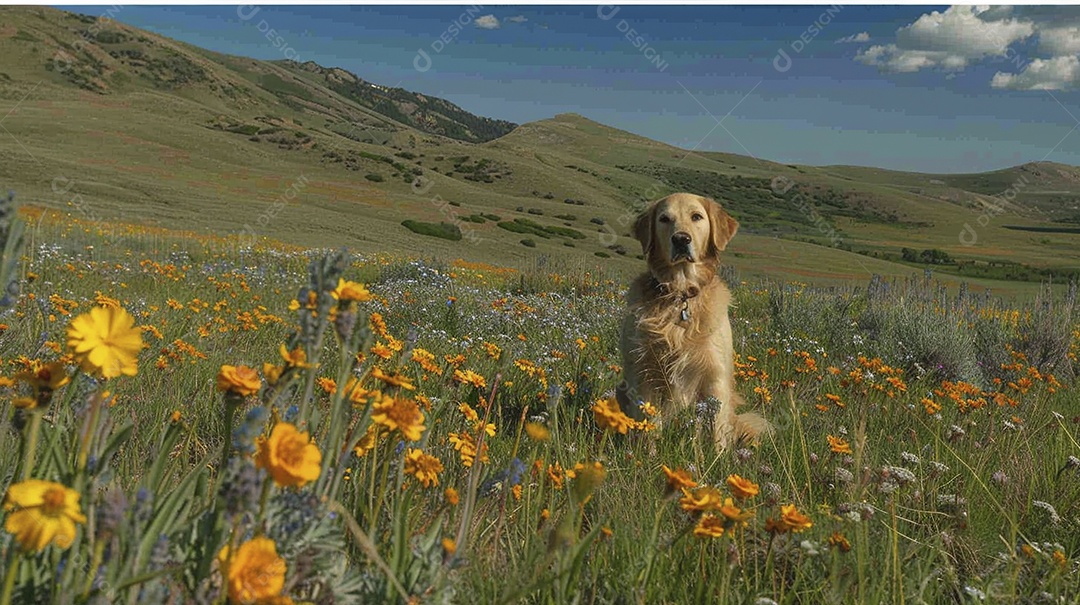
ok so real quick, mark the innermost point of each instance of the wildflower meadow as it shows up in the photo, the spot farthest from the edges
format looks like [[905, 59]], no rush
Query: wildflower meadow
[[189, 420]]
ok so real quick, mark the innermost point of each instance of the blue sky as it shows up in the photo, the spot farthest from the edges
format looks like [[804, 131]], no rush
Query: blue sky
[[925, 88]]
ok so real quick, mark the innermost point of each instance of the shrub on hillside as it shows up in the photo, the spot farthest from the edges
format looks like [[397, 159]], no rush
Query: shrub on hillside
[[441, 230]]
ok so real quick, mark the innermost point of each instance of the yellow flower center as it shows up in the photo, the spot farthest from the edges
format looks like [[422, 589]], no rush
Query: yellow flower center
[[402, 414], [52, 501], [291, 451]]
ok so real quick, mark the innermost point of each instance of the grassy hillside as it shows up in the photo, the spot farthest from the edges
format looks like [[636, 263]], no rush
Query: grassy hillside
[[115, 123]]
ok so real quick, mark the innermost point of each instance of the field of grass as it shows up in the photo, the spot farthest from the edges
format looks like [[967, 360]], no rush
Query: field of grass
[[925, 445]]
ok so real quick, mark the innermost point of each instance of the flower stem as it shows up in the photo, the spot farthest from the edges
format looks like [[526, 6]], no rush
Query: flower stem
[[653, 546], [334, 444], [9, 576], [513, 455], [99, 551], [378, 495], [603, 442], [474, 473], [264, 497], [231, 544], [30, 443], [232, 402], [88, 432]]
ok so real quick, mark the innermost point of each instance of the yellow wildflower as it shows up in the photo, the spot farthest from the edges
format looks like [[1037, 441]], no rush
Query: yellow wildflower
[[240, 380], [106, 342], [254, 573], [289, 456], [742, 488], [42, 512], [609, 415], [424, 467], [398, 413]]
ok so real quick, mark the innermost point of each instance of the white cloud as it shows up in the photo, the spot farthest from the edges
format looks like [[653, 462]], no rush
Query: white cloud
[[1056, 73], [889, 57], [947, 40], [517, 19], [961, 30], [487, 22], [859, 37], [1060, 40], [960, 36]]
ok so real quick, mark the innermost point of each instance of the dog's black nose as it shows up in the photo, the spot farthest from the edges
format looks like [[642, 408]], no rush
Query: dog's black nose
[[681, 239]]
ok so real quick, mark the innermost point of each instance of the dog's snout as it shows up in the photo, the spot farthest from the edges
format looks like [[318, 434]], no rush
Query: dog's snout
[[681, 238]]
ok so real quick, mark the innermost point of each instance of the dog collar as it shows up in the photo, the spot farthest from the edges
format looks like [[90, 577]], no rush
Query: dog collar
[[684, 297]]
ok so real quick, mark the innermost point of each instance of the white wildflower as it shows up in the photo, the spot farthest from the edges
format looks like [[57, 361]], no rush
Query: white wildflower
[[909, 458], [810, 548], [842, 475], [1055, 519], [938, 468], [975, 592], [898, 474]]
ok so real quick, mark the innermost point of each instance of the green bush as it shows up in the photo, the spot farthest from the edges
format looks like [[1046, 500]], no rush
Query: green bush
[[517, 226], [440, 230], [565, 232], [247, 129]]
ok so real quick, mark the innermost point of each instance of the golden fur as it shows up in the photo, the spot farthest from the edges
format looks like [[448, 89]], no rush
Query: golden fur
[[676, 334]]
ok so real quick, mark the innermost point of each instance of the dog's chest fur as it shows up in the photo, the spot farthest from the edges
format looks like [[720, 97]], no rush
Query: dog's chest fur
[[678, 327]]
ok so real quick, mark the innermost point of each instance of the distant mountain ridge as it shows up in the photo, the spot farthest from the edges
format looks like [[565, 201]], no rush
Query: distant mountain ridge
[[423, 112], [107, 57]]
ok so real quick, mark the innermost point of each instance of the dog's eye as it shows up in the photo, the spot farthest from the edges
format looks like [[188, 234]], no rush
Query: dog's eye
[[697, 216], [664, 218]]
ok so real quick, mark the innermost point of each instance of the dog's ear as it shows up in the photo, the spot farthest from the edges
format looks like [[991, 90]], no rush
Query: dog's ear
[[722, 227], [643, 229]]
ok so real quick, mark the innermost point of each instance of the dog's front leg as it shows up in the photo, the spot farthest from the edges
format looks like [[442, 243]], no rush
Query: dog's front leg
[[724, 420], [630, 391], [730, 427]]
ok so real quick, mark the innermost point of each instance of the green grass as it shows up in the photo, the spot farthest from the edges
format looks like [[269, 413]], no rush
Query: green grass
[[931, 535], [933, 502]]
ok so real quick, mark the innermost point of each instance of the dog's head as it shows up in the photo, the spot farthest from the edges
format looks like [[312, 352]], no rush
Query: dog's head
[[683, 228]]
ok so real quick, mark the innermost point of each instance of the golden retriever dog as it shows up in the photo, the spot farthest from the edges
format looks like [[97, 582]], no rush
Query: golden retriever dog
[[676, 335]]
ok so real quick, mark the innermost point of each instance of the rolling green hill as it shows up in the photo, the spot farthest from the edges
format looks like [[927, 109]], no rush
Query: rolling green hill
[[113, 123]]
